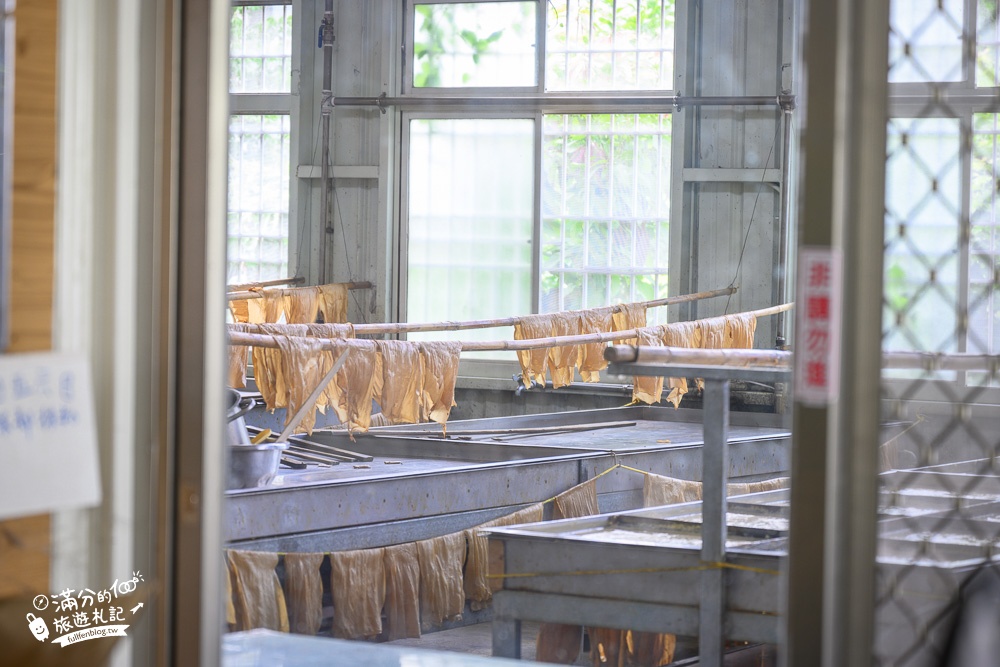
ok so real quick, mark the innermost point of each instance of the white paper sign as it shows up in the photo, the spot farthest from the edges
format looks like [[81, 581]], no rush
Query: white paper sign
[[817, 326], [48, 440]]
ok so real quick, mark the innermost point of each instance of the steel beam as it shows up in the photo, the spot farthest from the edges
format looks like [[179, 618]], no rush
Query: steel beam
[[715, 457]]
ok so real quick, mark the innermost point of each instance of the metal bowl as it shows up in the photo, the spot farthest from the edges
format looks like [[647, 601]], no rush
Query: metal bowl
[[253, 465]]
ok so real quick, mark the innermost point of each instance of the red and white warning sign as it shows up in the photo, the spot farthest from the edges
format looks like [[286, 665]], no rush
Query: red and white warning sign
[[817, 326]]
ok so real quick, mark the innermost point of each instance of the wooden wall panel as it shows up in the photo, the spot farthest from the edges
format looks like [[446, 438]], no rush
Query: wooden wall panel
[[25, 543]]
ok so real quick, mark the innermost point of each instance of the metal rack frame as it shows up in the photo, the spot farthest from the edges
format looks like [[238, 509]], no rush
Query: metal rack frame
[[715, 466]]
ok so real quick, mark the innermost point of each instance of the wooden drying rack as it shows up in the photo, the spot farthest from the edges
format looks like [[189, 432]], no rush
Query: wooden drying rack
[[256, 294], [411, 327], [268, 340]]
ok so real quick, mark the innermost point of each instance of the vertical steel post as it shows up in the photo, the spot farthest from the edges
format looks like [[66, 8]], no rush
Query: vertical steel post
[[859, 223], [781, 283], [829, 613], [506, 638], [325, 111], [714, 473]]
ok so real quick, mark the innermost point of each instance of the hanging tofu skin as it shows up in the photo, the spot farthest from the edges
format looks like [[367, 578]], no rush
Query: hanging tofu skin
[[679, 334], [402, 592], [477, 566], [357, 583], [260, 602], [741, 488], [713, 333], [301, 305], [628, 316], [255, 311], [659, 490], [607, 647], [740, 330], [533, 362], [649, 649], [274, 304], [563, 359], [441, 593], [240, 310], [333, 302], [402, 381], [237, 373], [648, 389], [267, 371], [230, 607], [267, 374], [356, 384], [304, 592], [440, 360], [581, 500], [304, 363], [558, 643], [591, 357], [331, 330], [530, 514]]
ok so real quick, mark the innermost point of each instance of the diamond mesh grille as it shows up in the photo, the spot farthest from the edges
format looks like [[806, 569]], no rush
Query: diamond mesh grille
[[939, 508]]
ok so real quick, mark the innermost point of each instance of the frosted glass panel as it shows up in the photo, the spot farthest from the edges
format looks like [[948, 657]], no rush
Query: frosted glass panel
[[605, 210], [258, 198], [260, 49], [470, 222]]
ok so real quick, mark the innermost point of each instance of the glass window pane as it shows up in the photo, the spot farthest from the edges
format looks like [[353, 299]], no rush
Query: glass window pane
[[984, 242], [604, 209], [474, 45], [471, 193], [260, 49], [922, 235], [987, 44], [258, 198], [925, 41], [609, 45]]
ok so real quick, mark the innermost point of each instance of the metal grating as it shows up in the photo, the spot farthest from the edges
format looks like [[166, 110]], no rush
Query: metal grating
[[941, 287]]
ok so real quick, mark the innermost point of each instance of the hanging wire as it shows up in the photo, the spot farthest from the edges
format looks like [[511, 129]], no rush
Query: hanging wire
[[746, 237]]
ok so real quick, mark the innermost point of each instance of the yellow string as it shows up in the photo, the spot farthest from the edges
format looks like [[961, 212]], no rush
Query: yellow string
[[598, 475], [643, 570]]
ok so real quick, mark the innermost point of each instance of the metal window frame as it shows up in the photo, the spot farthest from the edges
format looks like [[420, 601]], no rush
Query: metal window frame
[[406, 53], [404, 190], [570, 102], [280, 104]]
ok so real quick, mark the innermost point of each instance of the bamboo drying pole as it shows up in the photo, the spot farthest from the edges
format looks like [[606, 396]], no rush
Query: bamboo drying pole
[[264, 340], [237, 296], [686, 356], [265, 283], [926, 361], [411, 327]]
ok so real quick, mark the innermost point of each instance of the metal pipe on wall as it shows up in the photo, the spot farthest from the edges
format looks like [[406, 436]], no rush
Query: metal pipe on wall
[[556, 103], [326, 108], [783, 226]]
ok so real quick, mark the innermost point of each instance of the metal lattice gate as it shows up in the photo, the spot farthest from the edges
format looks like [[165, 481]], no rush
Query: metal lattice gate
[[939, 497]]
